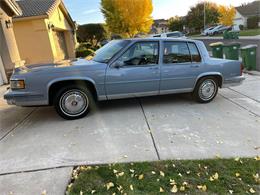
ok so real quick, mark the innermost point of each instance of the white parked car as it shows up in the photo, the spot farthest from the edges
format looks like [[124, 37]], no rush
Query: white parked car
[[216, 30], [207, 30]]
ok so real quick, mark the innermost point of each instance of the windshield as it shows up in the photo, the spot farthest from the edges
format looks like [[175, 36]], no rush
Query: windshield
[[105, 53]]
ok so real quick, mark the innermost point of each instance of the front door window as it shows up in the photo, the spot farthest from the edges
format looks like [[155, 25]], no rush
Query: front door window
[[141, 54]]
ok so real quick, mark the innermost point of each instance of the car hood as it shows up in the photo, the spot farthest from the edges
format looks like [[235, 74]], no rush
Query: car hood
[[88, 64]]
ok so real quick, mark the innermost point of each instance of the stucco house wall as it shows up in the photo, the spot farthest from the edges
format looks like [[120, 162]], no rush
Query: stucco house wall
[[33, 41], [61, 25], [46, 38], [240, 20]]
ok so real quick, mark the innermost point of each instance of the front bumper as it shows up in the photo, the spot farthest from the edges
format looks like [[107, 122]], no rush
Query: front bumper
[[234, 81], [23, 98]]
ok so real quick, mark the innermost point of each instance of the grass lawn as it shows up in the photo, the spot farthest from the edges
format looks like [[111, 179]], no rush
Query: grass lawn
[[216, 176], [251, 32]]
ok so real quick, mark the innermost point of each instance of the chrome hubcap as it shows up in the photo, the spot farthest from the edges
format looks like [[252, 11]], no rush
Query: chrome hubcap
[[207, 90], [74, 103]]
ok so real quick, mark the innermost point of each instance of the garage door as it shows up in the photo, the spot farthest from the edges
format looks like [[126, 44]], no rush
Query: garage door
[[60, 44]]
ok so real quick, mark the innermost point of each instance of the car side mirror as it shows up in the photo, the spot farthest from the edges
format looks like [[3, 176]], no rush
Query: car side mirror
[[118, 64]]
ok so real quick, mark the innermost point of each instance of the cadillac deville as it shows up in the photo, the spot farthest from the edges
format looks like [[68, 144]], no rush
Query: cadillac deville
[[124, 69]]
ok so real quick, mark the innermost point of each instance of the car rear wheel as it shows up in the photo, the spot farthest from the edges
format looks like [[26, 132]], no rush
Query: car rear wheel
[[206, 90], [73, 102]]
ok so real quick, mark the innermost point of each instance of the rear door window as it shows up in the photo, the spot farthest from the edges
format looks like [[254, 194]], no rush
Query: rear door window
[[176, 52], [195, 54]]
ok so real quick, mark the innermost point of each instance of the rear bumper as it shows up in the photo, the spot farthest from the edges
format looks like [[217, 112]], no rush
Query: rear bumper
[[22, 98], [234, 81]]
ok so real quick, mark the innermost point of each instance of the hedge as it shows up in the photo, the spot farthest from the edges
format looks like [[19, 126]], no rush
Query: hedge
[[252, 22], [84, 53]]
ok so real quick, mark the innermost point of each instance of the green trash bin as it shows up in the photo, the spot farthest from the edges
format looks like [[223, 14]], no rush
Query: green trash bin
[[231, 51], [231, 35], [217, 49], [226, 35], [234, 34], [248, 54]]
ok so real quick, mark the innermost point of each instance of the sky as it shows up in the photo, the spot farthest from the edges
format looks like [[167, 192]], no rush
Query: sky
[[88, 11]]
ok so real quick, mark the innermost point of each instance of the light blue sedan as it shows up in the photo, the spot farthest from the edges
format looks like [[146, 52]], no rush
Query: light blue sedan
[[124, 69]]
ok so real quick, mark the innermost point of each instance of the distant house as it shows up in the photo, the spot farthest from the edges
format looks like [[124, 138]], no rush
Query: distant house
[[45, 32], [9, 54], [246, 11], [159, 26]]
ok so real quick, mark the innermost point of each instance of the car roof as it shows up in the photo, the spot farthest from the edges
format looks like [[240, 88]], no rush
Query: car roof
[[174, 32], [160, 38]]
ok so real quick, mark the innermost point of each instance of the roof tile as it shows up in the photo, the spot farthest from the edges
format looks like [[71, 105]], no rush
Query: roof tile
[[36, 7], [250, 9]]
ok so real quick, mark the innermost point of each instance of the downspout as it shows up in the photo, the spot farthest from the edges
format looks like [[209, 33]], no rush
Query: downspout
[[2, 71]]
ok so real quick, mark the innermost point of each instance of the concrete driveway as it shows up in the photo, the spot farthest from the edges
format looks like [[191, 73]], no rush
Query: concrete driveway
[[38, 149]]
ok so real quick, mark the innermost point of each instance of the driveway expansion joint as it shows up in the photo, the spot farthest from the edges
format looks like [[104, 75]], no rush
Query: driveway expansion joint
[[18, 124], [240, 105], [37, 170], [149, 128], [244, 95]]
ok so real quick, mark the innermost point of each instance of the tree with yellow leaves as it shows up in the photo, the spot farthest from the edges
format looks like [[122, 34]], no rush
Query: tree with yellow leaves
[[127, 17], [227, 14]]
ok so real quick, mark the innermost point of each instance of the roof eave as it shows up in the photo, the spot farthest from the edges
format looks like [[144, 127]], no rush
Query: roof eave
[[14, 6], [68, 16], [29, 18], [64, 10]]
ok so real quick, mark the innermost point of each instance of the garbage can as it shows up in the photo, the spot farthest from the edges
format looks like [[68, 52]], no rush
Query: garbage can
[[217, 49], [231, 35], [248, 54], [231, 51], [226, 35], [234, 34]]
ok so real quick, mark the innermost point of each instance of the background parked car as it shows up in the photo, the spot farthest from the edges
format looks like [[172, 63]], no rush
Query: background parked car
[[174, 34], [206, 31], [216, 30]]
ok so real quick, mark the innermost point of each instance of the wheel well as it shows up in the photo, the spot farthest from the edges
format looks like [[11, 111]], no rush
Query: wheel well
[[218, 77], [58, 85]]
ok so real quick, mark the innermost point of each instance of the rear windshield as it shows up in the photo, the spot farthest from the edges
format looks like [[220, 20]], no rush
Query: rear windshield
[[174, 34], [107, 52]]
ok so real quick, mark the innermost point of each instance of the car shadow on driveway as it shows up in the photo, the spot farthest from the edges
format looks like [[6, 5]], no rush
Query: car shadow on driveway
[[13, 116]]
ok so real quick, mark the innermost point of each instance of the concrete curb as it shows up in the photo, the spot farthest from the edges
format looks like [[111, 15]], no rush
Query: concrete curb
[[252, 72]]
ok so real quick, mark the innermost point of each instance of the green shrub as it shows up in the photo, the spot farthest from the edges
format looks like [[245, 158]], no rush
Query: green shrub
[[84, 45], [84, 52], [252, 22]]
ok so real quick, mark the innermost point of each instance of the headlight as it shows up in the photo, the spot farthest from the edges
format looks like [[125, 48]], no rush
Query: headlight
[[17, 84]]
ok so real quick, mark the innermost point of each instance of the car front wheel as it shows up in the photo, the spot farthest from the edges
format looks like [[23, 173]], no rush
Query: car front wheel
[[206, 89], [73, 102]]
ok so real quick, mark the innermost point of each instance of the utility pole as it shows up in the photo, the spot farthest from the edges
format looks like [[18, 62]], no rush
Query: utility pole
[[204, 15]]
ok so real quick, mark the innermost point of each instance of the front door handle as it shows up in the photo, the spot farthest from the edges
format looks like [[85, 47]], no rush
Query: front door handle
[[154, 68], [195, 66]]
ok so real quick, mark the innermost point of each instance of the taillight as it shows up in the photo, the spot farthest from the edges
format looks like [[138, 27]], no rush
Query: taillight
[[241, 69]]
